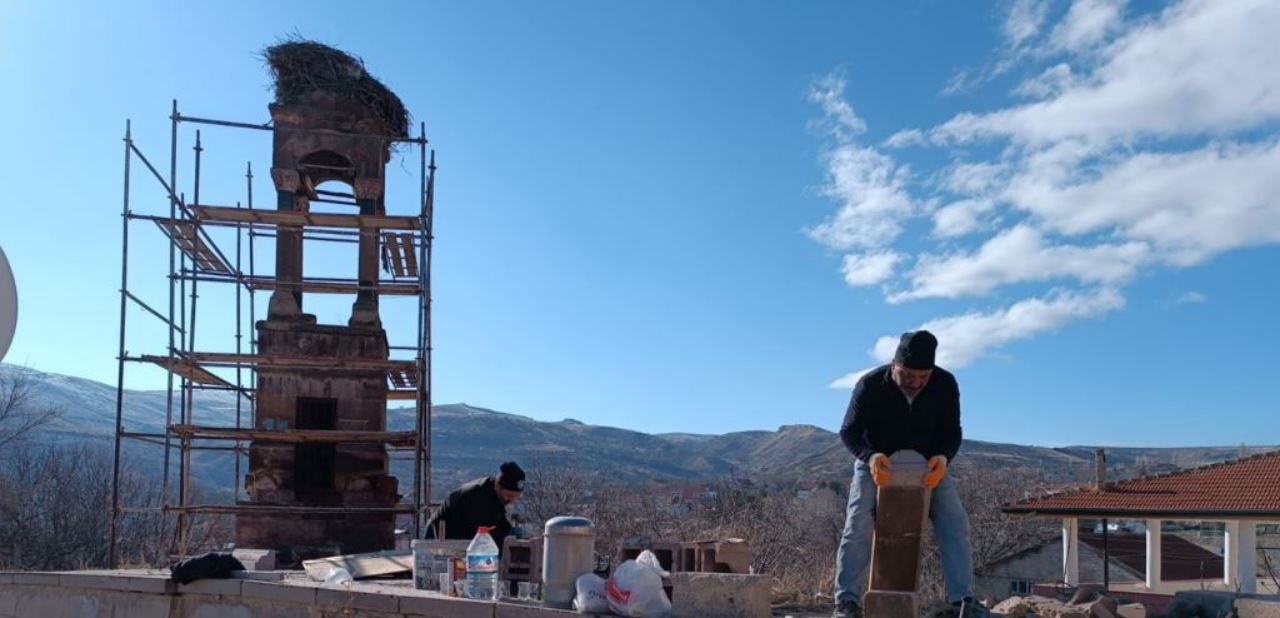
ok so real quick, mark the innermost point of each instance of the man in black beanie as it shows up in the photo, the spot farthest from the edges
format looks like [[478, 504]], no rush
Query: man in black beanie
[[482, 502], [908, 404]]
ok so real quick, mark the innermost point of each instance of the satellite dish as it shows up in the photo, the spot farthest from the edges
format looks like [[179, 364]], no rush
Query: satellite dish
[[8, 305]]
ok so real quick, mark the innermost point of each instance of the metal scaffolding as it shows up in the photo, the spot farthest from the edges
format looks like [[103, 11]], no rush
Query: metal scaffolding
[[195, 258]]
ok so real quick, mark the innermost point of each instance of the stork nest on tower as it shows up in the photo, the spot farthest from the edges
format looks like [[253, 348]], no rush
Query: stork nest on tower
[[305, 71]]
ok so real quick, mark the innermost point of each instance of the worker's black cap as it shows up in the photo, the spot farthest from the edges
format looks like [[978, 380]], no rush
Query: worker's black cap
[[916, 350], [511, 477]]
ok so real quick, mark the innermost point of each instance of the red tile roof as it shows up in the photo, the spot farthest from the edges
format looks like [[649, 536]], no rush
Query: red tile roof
[[1180, 559], [1241, 488]]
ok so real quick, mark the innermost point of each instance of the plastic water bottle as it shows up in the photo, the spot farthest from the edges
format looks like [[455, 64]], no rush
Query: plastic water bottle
[[337, 575], [482, 566]]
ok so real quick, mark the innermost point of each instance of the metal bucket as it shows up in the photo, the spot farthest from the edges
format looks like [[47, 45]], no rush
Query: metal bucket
[[568, 551]]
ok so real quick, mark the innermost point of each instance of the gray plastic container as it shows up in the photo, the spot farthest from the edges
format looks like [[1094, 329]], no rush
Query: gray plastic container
[[568, 551]]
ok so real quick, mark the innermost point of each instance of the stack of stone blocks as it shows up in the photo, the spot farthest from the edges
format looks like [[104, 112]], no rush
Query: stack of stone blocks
[[709, 578]]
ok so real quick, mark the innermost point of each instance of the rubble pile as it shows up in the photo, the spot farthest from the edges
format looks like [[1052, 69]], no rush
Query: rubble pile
[[1085, 603]]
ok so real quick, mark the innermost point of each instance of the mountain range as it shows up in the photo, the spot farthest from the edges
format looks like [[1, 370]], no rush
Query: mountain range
[[470, 441]]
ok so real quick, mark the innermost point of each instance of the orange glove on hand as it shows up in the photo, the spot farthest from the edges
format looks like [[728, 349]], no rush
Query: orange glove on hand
[[880, 469], [937, 470]]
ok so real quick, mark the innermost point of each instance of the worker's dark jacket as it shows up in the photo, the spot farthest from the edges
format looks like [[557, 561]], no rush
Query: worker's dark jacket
[[880, 420], [469, 507]]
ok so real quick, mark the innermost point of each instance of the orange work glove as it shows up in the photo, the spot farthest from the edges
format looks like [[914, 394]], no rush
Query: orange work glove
[[880, 469], [937, 470]]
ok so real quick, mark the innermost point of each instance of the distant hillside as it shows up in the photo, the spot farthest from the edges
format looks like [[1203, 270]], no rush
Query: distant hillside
[[469, 441]]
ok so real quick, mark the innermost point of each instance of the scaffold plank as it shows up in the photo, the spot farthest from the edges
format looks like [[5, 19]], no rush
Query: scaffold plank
[[187, 369], [329, 436], [403, 377], [188, 241], [306, 362], [410, 255], [229, 214], [338, 287], [392, 258]]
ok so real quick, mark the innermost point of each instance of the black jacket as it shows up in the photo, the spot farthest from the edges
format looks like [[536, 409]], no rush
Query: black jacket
[[469, 507], [880, 420]]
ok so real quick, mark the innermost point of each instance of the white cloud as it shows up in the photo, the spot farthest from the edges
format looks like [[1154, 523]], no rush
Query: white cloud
[[869, 268], [1192, 205], [973, 178], [1049, 82], [1018, 255], [838, 115], [959, 218], [966, 337], [905, 138], [1088, 23], [849, 380], [870, 186], [1192, 298], [875, 202], [961, 80], [1022, 26], [1201, 66], [1149, 142], [1024, 20]]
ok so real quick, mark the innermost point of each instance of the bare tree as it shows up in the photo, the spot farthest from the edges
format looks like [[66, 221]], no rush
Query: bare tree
[[993, 535], [20, 412], [55, 500], [555, 489], [56, 509], [1269, 567]]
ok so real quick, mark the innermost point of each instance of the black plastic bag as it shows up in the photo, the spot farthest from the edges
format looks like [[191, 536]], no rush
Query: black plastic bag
[[205, 566]]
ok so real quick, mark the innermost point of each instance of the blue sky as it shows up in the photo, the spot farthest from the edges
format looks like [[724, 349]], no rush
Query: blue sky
[[706, 217]]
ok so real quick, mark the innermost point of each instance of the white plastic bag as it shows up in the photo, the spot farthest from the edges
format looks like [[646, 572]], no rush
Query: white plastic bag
[[635, 588], [590, 598]]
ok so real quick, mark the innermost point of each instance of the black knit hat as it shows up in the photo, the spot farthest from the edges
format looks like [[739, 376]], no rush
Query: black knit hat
[[916, 350], [511, 477]]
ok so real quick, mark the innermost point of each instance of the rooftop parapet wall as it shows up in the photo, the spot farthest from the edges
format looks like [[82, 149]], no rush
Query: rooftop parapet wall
[[149, 594]]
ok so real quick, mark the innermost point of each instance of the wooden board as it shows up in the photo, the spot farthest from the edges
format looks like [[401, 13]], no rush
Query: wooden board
[[901, 509], [229, 359], [187, 369], [227, 214], [895, 547], [188, 241], [334, 287], [888, 604], [410, 255], [362, 565], [295, 436], [392, 257]]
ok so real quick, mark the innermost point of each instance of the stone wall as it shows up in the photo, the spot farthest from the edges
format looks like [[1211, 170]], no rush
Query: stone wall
[[320, 475]]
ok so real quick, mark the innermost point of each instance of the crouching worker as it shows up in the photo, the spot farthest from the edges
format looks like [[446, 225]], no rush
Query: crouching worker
[[479, 503]]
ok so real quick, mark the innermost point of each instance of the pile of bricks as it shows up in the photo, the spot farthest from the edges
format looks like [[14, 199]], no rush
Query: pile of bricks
[[709, 579], [710, 556], [522, 558]]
